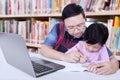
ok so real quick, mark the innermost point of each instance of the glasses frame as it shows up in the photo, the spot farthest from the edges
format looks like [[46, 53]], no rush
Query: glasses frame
[[76, 27]]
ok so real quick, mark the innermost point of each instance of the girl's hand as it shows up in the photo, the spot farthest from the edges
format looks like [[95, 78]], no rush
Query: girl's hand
[[83, 59], [73, 57]]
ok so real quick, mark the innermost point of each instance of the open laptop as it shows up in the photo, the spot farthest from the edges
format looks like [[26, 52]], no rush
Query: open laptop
[[16, 54]]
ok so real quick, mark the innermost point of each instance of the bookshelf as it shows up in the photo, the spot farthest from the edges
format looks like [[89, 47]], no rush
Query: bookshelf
[[30, 16], [35, 15], [88, 14], [104, 14]]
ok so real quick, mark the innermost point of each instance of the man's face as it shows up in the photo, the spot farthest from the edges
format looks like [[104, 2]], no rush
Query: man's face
[[75, 25]]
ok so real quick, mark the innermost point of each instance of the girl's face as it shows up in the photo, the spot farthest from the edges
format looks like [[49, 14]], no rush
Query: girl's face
[[92, 47], [75, 25]]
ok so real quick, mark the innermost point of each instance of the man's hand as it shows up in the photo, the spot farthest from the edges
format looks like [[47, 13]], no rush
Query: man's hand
[[91, 67], [104, 68]]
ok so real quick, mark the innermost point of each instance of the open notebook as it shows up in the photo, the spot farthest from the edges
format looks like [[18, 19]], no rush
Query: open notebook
[[69, 67], [74, 67]]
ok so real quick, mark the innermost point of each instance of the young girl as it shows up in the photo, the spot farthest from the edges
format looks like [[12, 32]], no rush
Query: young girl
[[93, 47]]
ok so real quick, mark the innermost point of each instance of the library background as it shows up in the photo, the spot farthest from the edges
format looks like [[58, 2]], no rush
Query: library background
[[33, 19]]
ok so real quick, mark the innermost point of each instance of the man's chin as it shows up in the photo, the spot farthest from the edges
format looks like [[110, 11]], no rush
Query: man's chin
[[77, 36]]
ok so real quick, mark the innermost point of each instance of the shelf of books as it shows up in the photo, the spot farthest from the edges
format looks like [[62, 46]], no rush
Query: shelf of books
[[103, 13], [88, 14], [33, 19], [30, 16]]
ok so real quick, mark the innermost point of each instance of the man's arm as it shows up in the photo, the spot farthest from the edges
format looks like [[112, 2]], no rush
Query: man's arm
[[105, 68], [49, 52], [53, 54], [108, 67]]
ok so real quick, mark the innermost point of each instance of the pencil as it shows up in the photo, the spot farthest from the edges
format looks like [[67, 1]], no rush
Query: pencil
[[79, 51]]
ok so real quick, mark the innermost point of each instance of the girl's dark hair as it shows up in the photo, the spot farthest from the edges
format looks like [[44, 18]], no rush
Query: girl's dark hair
[[96, 33], [72, 10]]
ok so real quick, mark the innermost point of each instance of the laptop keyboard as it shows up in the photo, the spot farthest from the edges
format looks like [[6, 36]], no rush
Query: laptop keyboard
[[38, 68]]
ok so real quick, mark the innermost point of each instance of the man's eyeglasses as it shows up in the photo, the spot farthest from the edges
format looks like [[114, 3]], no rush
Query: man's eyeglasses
[[72, 28]]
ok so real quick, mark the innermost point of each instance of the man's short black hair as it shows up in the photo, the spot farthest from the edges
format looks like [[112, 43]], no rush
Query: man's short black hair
[[96, 33], [72, 10]]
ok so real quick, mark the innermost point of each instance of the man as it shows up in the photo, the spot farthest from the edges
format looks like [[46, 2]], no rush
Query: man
[[74, 22]]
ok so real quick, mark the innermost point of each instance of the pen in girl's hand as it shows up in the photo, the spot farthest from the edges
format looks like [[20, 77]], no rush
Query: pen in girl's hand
[[83, 58], [79, 51]]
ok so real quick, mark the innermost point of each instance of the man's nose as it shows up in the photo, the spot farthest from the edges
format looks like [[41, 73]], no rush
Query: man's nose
[[76, 30]]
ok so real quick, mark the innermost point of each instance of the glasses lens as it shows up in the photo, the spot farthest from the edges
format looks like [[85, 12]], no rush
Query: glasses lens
[[77, 27]]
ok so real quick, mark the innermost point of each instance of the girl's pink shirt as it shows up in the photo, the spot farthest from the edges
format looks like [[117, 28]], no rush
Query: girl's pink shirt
[[99, 56]]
